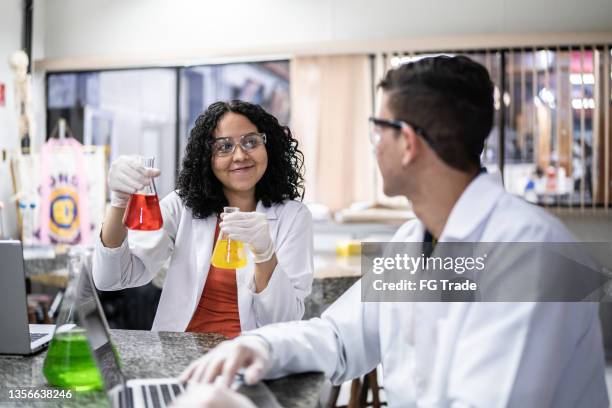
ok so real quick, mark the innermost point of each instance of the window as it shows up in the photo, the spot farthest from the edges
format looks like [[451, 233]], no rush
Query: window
[[556, 127], [555, 107], [263, 83], [134, 111], [131, 111]]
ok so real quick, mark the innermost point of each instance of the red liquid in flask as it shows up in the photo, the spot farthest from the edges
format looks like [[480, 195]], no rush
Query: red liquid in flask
[[143, 213]]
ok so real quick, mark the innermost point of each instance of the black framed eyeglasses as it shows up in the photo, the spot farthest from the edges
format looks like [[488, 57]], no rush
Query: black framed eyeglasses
[[225, 146], [377, 123]]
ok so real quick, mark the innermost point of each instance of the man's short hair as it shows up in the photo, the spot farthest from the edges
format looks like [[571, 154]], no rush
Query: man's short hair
[[451, 99]]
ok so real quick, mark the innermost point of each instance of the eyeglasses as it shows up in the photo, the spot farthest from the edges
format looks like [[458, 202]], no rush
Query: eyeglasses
[[377, 123], [225, 146]]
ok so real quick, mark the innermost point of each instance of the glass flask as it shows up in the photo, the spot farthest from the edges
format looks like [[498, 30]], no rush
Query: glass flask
[[69, 362], [142, 212], [229, 254]]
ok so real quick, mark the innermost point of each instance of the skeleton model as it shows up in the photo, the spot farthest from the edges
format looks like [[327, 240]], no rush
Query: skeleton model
[[19, 64]]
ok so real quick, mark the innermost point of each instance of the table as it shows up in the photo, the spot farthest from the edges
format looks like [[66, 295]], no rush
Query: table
[[146, 354], [333, 275]]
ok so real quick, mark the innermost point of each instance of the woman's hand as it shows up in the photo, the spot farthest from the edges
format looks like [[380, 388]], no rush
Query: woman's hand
[[126, 176], [223, 362], [251, 228]]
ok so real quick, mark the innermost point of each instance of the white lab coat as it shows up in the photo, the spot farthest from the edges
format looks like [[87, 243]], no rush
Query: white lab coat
[[459, 354], [185, 246]]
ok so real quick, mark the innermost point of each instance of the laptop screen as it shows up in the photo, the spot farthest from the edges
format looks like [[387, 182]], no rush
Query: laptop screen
[[94, 322], [15, 337]]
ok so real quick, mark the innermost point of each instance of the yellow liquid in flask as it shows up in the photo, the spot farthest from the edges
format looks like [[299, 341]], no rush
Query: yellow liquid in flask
[[229, 254]]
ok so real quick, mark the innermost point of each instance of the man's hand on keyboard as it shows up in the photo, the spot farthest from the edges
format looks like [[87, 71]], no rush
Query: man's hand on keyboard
[[211, 396], [250, 353]]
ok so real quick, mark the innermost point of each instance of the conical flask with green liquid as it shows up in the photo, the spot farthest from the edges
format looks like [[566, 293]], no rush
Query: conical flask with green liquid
[[69, 362]]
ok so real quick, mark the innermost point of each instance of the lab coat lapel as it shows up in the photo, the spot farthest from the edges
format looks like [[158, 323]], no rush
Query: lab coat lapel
[[472, 208], [449, 330], [244, 276], [272, 218], [204, 233]]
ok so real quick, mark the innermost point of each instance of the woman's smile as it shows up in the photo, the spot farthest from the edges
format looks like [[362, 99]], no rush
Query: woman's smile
[[244, 169]]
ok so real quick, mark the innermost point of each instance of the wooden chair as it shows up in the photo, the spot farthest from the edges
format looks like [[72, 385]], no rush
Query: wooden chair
[[359, 393]]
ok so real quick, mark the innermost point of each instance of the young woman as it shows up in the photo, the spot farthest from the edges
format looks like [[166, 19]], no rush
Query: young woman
[[237, 155]]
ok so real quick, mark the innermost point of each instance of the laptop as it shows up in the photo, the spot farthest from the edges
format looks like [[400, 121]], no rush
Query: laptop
[[137, 393], [18, 337]]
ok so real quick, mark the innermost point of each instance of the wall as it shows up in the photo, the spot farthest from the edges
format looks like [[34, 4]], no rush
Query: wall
[[96, 34], [10, 41], [115, 33], [143, 30]]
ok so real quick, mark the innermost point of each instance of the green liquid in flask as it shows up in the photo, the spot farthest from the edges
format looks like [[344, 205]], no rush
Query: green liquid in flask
[[69, 363]]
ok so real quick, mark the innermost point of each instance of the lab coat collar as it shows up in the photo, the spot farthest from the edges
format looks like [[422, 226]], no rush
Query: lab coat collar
[[473, 207], [269, 211]]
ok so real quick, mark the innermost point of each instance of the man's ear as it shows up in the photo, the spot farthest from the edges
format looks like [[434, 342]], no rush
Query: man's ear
[[412, 145]]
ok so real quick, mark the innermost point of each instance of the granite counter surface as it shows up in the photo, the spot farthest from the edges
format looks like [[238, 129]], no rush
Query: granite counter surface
[[146, 354]]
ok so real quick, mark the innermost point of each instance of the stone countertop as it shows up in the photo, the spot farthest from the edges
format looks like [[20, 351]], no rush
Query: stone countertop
[[146, 354], [333, 275]]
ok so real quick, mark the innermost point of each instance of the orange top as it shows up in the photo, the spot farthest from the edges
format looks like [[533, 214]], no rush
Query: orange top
[[217, 311]]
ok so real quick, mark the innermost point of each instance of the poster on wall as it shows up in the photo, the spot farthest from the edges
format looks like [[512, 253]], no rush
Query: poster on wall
[[69, 206]]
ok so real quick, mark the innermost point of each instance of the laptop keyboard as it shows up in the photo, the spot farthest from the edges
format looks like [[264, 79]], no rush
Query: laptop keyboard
[[154, 395], [36, 336]]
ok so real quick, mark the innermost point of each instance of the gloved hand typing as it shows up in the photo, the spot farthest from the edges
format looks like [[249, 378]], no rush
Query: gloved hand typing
[[127, 176], [248, 352], [250, 228]]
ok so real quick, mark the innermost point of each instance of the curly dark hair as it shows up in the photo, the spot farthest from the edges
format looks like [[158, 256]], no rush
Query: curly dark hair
[[200, 189]]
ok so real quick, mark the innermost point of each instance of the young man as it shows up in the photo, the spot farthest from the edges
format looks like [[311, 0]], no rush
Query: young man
[[429, 133]]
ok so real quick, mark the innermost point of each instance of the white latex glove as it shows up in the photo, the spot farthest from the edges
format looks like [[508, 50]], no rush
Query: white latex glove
[[127, 176], [250, 228], [249, 352], [211, 396]]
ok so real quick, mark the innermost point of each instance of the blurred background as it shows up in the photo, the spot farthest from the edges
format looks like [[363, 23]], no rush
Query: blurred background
[[132, 77]]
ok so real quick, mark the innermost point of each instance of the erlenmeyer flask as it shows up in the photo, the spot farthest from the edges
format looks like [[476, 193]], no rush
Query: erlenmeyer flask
[[229, 254], [69, 362], [142, 212]]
